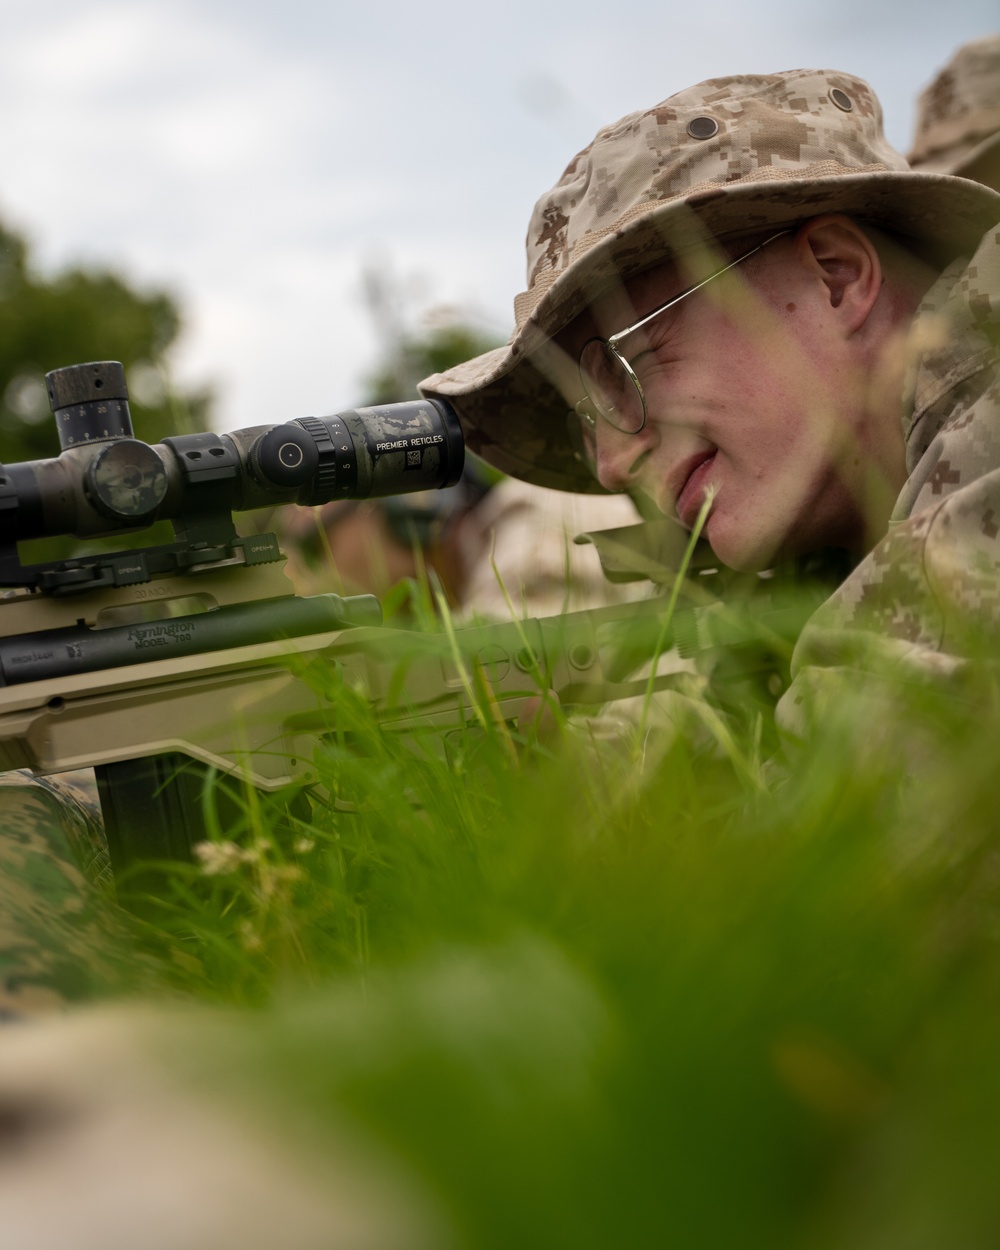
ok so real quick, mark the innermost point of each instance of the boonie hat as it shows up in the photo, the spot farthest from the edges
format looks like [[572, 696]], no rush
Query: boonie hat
[[730, 157], [958, 115]]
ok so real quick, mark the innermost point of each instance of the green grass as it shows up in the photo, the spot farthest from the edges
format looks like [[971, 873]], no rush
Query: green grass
[[674, 991]]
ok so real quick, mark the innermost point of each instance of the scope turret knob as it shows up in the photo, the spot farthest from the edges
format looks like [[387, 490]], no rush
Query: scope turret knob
[[126, 480], [287, 455], [90, 403]]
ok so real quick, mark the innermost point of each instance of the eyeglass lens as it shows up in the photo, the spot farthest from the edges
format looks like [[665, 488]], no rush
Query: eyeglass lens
[[610, 387]]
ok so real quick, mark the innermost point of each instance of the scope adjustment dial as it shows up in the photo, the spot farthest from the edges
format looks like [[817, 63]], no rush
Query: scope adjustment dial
[[287, 455], [126, 480]]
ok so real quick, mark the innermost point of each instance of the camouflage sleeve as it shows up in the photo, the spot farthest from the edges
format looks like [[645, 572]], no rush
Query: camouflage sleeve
[[76, 794], [59, 938], [922, 605]]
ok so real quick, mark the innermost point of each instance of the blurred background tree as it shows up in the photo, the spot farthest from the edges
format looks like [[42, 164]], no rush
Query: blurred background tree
[[408, 353], [76, 315]]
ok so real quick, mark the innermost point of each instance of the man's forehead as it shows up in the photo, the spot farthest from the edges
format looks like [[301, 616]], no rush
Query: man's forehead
[[635, 297]]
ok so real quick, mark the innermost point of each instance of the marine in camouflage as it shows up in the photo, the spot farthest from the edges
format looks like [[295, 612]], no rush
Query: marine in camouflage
[[736, 156]]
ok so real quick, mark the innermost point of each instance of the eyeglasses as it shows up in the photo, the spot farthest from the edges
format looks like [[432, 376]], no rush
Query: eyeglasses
[[612, 391]]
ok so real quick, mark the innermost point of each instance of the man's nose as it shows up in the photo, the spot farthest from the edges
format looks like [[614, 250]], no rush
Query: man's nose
[[620, 457]]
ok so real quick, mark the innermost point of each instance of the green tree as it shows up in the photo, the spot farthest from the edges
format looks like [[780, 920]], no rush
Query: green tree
[[77, 315], [416, 357], [411, 352]]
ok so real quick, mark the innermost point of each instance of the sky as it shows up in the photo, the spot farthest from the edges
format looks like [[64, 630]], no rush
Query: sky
[[258, 159]]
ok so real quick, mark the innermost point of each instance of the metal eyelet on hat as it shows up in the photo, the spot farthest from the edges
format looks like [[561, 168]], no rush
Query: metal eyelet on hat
[[702, 127], [842, 100]]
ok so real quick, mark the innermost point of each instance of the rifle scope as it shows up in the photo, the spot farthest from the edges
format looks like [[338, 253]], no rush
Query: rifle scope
[[105, 480]]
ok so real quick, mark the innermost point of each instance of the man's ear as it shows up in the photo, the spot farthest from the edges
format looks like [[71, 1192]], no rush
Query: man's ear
[[843, 258]]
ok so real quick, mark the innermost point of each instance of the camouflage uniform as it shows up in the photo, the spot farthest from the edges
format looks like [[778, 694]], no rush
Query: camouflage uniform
[[930, 589], [58, 938]]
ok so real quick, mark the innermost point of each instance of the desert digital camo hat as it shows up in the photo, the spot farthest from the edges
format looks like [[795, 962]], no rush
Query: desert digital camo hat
[[732, 156], [958, 115]]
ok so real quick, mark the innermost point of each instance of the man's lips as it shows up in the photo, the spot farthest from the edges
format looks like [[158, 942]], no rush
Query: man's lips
[[692, 479]]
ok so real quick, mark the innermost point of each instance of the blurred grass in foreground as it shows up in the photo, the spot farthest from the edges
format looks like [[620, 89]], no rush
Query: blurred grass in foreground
[[649, 993]]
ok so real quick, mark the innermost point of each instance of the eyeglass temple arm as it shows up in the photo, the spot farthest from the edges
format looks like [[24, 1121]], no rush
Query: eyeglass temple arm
[[615, 338]]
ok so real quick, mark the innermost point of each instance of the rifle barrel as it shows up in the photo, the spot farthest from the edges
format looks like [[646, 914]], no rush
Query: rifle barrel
[[77, 649]]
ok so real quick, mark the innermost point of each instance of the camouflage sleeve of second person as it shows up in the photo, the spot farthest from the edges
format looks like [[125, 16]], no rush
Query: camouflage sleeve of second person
[[62, 939]]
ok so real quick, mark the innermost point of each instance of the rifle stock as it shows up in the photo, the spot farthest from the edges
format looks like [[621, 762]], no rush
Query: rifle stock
[[256, 712]]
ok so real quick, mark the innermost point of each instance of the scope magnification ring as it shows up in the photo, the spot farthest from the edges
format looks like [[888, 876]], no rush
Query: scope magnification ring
[[337, 475]]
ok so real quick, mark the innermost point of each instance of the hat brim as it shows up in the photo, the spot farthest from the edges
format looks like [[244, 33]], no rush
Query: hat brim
[[513, 415], [960, 159]]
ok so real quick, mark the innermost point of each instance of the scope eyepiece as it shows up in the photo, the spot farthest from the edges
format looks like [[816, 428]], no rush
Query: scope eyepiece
[[363, 453]]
